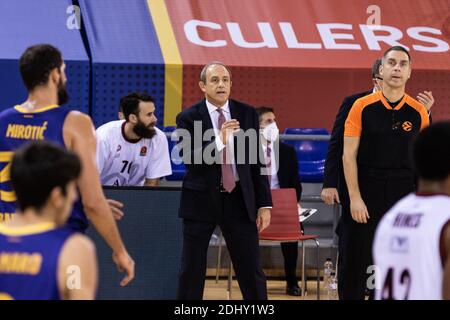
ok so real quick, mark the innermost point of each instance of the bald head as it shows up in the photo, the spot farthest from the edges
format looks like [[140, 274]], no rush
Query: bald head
[[205, 69]]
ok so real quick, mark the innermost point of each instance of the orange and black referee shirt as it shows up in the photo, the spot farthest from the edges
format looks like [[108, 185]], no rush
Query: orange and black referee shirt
[[385, 132]]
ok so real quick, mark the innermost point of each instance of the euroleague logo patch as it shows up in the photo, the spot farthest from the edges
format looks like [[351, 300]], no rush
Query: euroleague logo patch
[[143, 151], [407, 126]]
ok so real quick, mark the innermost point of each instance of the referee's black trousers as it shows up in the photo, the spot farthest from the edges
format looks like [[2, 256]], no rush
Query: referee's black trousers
[[380, 190]]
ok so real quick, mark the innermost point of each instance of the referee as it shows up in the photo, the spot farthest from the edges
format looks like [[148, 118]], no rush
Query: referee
[[377, 168]]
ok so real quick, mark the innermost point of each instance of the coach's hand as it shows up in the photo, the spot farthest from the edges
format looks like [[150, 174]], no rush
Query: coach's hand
[[426, 98], [116, 208], [359, 210], [330, 195], [263, 219], [228, 128], [124, 264]]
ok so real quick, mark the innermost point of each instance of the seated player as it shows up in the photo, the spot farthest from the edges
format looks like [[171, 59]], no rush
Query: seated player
[[133, 151]]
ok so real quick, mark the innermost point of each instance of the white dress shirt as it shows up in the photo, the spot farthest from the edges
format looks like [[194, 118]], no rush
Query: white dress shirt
[[274, 182], [214, 115]]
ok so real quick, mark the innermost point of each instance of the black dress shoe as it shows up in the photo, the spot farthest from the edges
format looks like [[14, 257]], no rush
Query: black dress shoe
[[293, 290]]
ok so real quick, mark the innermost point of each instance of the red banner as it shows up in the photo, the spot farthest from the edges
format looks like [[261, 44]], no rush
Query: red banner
[[304, 56], [318, 34]]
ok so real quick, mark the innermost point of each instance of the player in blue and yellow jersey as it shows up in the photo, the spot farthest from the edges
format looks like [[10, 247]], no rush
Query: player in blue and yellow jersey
[[42, 117], [40, 259]]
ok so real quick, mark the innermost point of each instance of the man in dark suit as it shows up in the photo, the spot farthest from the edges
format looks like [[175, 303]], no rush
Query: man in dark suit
[[334, 186], [230, 192], [282, 162]]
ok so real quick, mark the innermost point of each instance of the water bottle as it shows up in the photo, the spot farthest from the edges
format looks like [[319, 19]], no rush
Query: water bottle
[[214, 239], [333, 287], [327, 270]]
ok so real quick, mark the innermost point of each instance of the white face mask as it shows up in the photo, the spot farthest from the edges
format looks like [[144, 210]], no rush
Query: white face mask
[[271, 132]]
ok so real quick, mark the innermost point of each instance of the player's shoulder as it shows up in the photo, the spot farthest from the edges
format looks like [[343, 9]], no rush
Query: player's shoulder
[[110, 129], [79, 243], [440, 201], [159, 133], [78, 119], [157, 140], [77, 249], [404, 202], [7, 112], [78, 115], [111, 125]]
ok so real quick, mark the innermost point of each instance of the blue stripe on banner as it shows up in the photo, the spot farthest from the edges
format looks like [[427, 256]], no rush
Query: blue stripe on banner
[[28, 22], [126, 55]]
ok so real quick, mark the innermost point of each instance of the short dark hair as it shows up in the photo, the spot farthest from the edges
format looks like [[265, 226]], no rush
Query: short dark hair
[[397, 48], [37, 62], [376, 68], [39, 167], [431, 152], [212, 63], [130, 103], [262, 110]]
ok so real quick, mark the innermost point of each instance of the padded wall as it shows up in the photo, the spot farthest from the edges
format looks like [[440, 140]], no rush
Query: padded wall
[[153, 236]]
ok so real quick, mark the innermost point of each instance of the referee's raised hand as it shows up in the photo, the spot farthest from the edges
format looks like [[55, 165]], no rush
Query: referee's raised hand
[[426, 98]]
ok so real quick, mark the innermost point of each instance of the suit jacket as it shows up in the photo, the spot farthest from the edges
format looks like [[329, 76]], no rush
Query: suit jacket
[[334, 170], [288, 169], [200, 195]]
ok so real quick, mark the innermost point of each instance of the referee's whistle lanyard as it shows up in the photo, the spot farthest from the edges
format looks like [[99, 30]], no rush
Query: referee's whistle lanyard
[[395, 125]]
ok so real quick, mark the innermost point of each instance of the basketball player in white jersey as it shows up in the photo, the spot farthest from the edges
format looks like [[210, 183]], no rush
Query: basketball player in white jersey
[[133, 151], [411, 248]]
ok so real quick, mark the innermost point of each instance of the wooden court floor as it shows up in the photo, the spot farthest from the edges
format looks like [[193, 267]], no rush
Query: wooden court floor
[[276, 290]]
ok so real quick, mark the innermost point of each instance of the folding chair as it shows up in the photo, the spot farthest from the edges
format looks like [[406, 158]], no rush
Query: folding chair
[[285, 226]]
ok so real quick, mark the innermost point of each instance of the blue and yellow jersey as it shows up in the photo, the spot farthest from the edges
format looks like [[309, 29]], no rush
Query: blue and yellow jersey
[[19, 126], [29, 258]]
